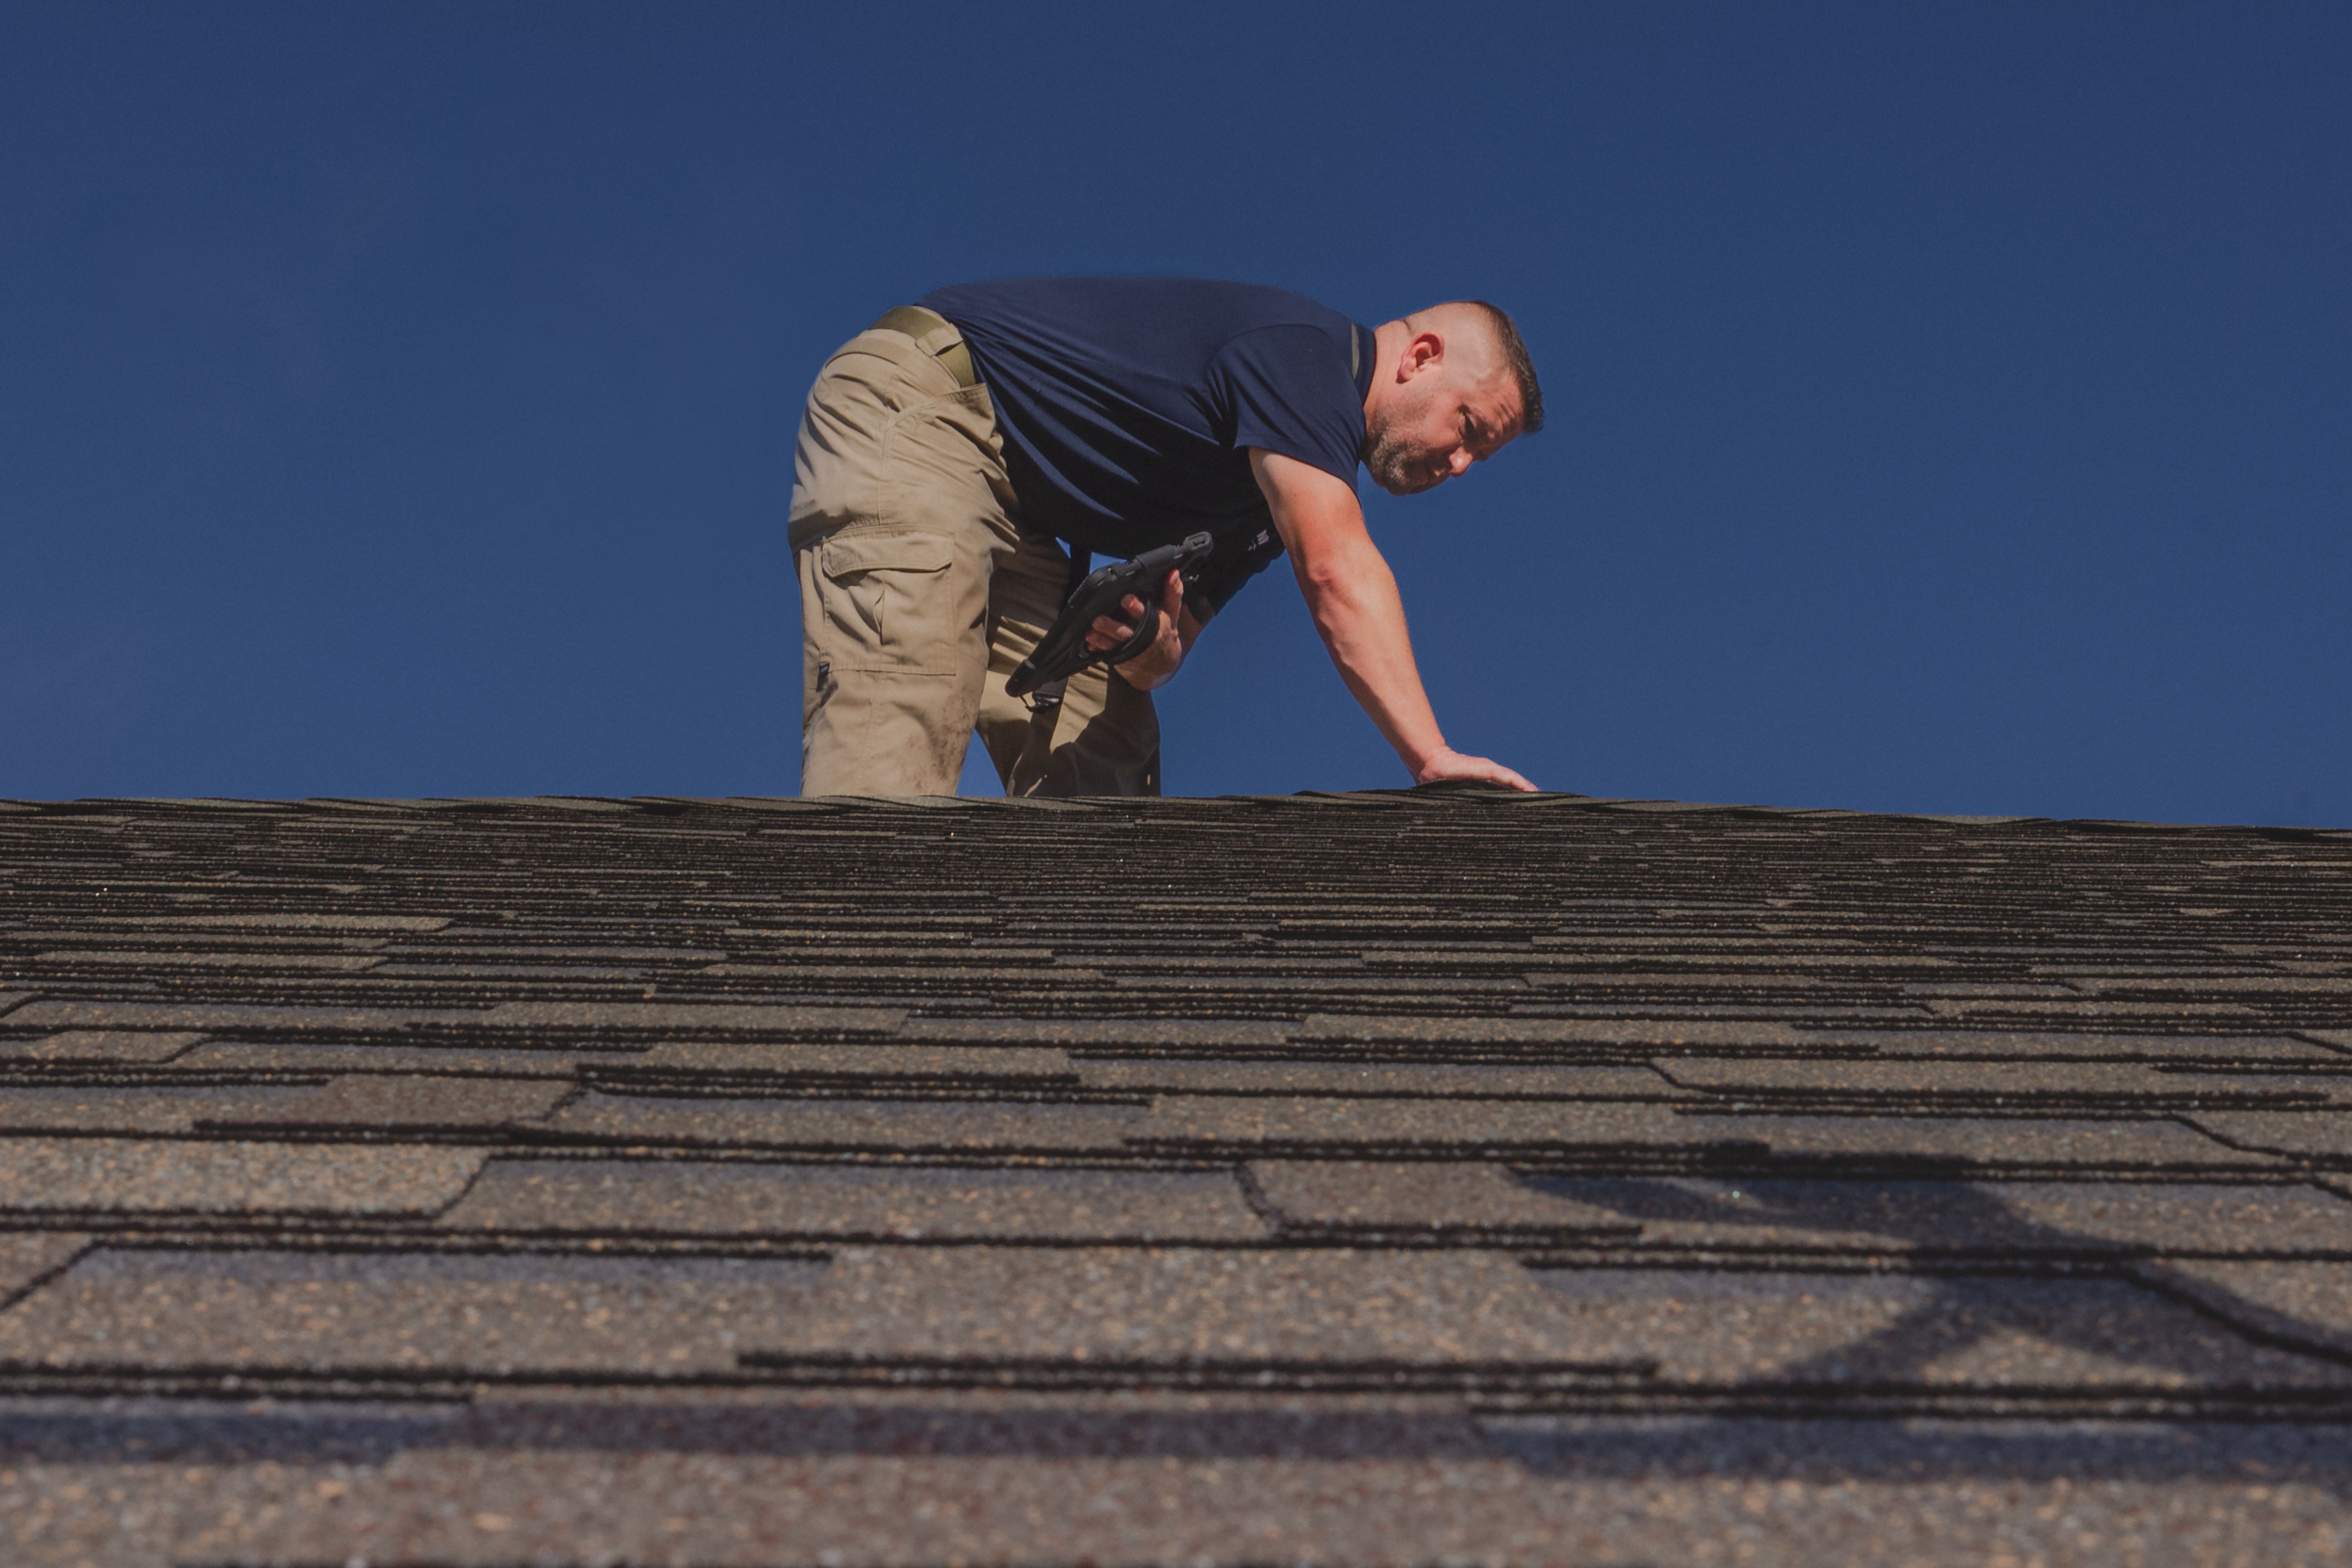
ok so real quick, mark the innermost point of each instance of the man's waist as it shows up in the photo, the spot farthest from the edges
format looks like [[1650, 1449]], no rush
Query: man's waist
[[936, 336], [1121, 540]]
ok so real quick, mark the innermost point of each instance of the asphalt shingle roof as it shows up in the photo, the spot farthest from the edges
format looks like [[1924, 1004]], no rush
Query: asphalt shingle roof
[[1418, 1178]]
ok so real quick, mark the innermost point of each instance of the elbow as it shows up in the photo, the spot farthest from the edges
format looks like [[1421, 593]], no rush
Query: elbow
[[1323, 593], [1335, 572], [1339, 581]]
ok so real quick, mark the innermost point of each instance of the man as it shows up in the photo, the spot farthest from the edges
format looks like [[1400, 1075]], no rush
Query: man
[[952, 451]]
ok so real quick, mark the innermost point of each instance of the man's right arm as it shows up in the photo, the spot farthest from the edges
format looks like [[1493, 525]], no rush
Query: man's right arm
[[1352, 595]]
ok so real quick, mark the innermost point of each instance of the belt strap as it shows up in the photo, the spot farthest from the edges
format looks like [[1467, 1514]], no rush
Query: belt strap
[[1048, 697], [935, 335]]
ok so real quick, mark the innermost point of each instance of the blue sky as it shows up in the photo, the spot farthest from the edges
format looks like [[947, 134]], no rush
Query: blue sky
[[1950, 405]]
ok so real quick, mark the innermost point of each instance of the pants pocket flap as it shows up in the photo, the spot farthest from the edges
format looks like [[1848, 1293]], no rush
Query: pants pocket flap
[[840, 557]]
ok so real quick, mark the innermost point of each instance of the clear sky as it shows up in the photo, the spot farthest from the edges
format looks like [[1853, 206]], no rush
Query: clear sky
[[1950, 404]]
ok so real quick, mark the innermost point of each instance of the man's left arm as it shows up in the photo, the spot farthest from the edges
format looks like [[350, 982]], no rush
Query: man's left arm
[[1352, 595]]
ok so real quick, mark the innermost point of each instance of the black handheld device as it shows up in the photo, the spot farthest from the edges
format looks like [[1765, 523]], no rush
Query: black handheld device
[[1062, 651]]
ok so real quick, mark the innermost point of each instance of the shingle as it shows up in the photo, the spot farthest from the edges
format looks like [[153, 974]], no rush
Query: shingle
[[2040, 1144], [1381, 1028], [880, 1063], [224, 1057], [104, 940], [78, 1046], [301, 922], [28, 1258], [686, 1197], [884, 1126], [1967, 990], [1399, 1204], [1996, 1045], [690, 1018], [364, 1102], [356, 1313], [1890, 1331], [1991, 1219], [1316, 1127], [132, 958], [551, 948], [140, 1176], [151, 1109], [228, 1018], [2222, 1014], [1654, 983], [1549, 1031], [2301, 1303], [1974, 1082], [612, 1019], [1382, 1079], [2321, 1134], [2233, 984], [2315, 1089], [1131, 1307], [570, 973], [890, 978]]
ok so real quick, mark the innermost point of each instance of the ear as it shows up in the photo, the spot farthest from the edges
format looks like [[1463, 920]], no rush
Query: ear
[[1426, 351]]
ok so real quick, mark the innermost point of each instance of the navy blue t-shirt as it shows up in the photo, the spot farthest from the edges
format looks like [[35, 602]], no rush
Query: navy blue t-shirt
[[1127, 403]]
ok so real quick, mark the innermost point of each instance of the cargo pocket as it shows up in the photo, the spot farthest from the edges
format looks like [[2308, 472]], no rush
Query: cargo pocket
[[891, 594]]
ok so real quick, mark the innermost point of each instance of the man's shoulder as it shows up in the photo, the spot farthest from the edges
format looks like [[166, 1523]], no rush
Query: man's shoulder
[[1082, 283], [1235, 306], [1299, 345]]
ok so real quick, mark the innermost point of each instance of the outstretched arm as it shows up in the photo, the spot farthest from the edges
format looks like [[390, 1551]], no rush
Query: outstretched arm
[[1352, 595]]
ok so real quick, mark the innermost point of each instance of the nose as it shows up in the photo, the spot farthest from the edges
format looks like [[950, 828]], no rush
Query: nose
[[1459, 463]]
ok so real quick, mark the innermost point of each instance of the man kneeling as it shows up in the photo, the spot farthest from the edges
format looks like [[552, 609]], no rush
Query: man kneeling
[[960, 459]]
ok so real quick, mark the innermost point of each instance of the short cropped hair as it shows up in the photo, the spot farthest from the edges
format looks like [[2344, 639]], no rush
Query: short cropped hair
[[1523, 369]]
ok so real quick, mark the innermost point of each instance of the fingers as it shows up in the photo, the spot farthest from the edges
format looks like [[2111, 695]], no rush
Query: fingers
[[1108, 632], [1451, 764], [1493, 772], [1505, 775]]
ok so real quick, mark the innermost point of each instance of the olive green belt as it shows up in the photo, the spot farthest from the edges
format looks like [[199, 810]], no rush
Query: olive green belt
[[919, 323]]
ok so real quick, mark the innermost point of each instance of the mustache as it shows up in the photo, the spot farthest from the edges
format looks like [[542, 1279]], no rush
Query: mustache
[[1398, 468]]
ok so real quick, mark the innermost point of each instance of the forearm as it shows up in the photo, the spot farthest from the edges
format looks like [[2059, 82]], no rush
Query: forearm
[[1360, 617]]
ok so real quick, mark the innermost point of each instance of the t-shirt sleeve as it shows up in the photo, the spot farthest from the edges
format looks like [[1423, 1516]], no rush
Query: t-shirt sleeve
[[1241, 553], [1290, 391]]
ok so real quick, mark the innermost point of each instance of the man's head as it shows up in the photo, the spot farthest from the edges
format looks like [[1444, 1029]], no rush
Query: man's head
[[1450, 385]]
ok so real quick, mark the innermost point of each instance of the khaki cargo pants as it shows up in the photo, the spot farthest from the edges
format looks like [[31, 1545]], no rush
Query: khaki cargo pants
[[920, 594]]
